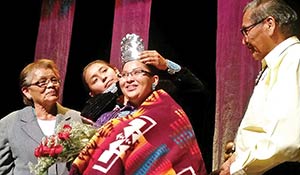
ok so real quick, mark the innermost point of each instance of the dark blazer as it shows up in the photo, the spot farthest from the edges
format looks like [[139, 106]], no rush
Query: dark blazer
[[20, 134]]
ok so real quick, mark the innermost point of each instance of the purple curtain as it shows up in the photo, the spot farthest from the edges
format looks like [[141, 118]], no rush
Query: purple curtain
[[236, 71], [131, 16], [54, 35]]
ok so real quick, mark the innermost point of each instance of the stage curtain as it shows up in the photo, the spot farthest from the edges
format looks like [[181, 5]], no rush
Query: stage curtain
[[130, 16], [54, 35], [236, 71]]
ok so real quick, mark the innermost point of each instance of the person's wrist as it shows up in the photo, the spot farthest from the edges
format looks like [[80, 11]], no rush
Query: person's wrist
[[172, 67]]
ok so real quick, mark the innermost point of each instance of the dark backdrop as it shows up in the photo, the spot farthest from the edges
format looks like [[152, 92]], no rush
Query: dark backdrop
[[176, 31]]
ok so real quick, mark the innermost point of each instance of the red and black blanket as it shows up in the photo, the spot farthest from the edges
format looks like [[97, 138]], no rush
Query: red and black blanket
[[156, 139]]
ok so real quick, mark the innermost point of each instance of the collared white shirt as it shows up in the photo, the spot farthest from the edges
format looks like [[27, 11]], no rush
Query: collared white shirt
[[269, 133]]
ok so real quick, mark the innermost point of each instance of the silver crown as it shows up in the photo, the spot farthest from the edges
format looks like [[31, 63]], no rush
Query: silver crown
[[131, 46]]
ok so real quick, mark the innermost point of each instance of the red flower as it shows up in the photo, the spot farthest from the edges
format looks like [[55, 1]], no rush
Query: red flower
[[43, 150], [38, 152], [54, 151], [64, 135], [63, 146], [67, 127]]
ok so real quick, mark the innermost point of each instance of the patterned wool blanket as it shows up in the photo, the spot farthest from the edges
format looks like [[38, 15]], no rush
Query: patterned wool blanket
[[156, 139]]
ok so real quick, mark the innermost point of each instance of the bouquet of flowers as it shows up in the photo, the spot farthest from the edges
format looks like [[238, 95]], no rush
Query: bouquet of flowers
[[63, 146]]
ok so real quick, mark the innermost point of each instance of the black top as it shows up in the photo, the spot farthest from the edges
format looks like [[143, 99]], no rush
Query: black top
[[181, 86]]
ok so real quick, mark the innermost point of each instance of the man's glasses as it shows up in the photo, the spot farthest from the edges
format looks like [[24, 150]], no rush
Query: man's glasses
[[42, 83], [135, 73], [245, 30]]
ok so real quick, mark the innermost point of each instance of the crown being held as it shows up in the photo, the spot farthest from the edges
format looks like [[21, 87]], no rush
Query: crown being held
[[131, 46]]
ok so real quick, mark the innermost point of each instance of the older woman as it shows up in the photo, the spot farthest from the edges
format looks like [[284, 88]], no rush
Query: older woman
[[21, 131], [151, 134]]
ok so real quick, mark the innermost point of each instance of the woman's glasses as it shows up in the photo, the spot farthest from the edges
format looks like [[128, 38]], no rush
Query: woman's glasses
[[42, 83], [135, 73]]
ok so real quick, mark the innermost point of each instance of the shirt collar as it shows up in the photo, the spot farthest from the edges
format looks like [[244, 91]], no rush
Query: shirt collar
[[273, 58]]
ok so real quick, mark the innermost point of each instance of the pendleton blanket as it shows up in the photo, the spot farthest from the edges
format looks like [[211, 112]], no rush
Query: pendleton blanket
[[156, 139]]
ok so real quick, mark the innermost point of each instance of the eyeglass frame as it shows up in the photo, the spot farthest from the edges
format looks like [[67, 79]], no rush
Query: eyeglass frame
[[134, 73], [245, 30], [43, 83]]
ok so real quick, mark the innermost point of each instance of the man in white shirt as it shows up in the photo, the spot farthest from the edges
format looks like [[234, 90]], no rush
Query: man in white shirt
[[269, 133]]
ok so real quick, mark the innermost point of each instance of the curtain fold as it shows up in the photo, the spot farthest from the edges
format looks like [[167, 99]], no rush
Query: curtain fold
[[236, 71], [54, 35], [130, 16]]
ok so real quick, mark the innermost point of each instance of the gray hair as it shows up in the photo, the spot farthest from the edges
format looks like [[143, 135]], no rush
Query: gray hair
[[284, 15]]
